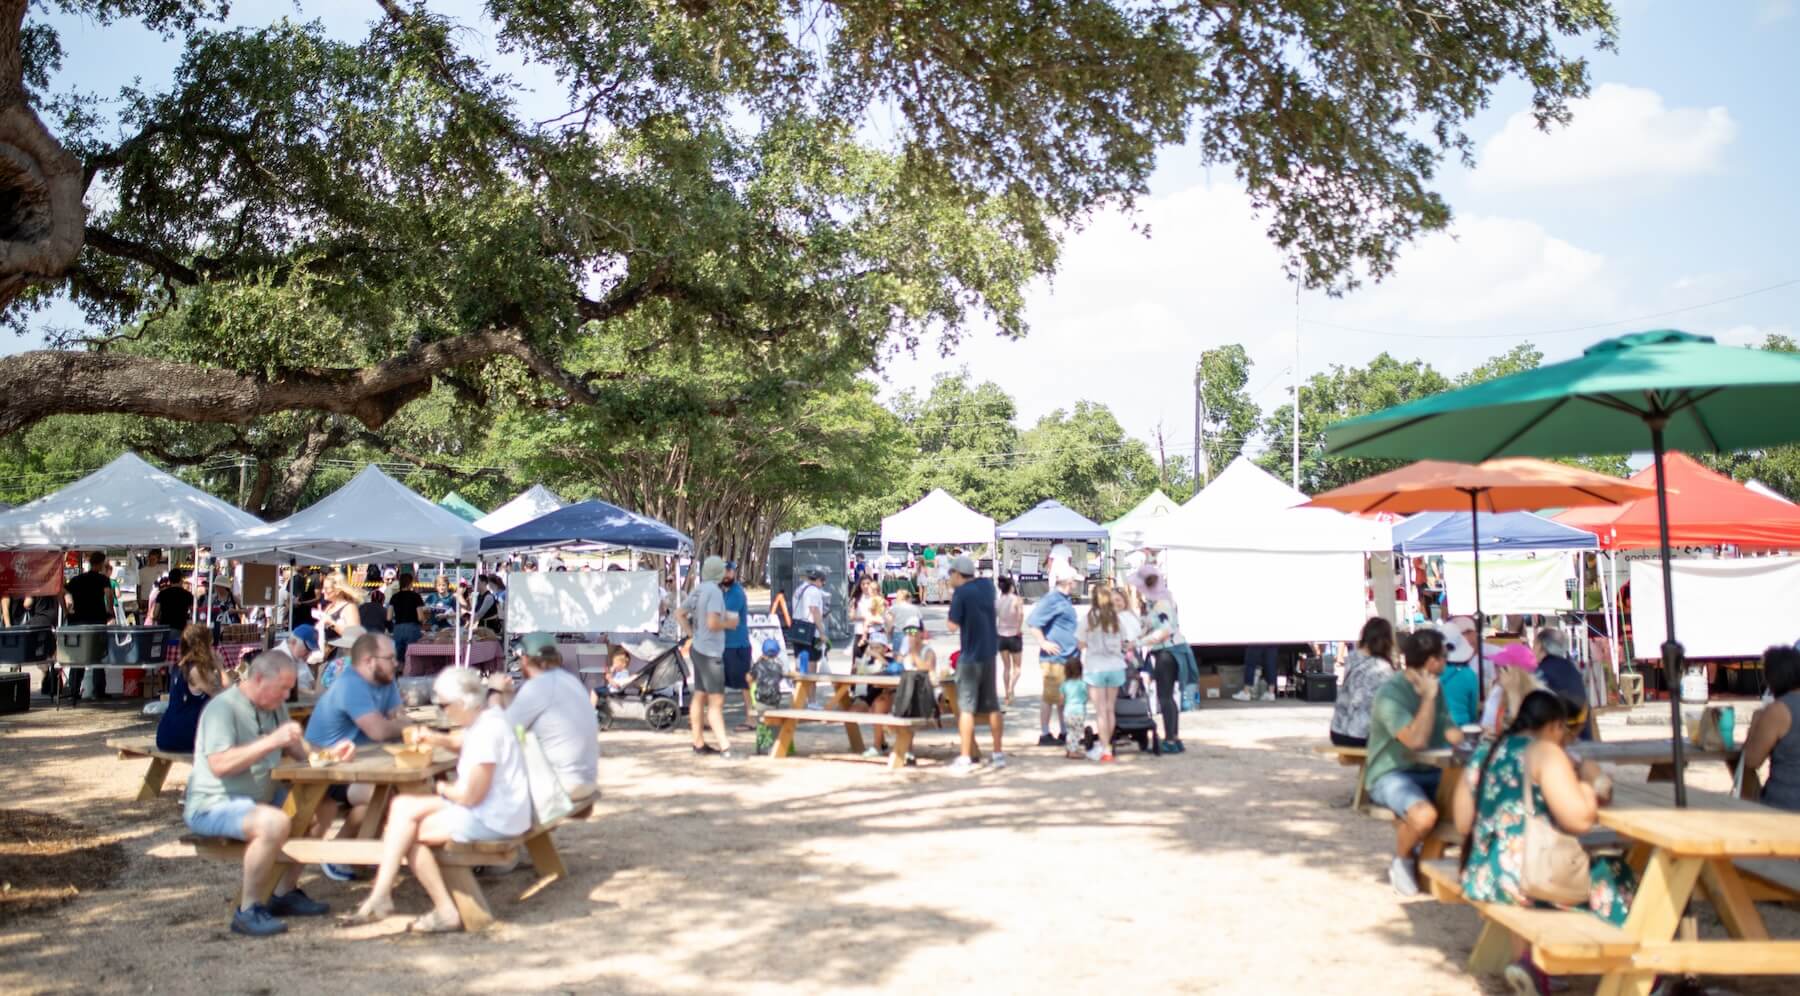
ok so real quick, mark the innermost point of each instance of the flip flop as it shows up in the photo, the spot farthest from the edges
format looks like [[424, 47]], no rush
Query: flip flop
[[430, 924]]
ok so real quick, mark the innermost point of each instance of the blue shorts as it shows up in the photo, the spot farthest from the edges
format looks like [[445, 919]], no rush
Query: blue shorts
[[227, 818], [1104, 679], [466, 827], [1401, 790]]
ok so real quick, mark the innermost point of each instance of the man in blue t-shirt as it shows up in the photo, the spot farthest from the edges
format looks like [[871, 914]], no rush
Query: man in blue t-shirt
[[737, 641], [1052, 624], [362, 706], [973, 618]]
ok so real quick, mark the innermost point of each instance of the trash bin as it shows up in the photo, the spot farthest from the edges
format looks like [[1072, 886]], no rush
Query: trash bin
[[26, 644], [136, 644]]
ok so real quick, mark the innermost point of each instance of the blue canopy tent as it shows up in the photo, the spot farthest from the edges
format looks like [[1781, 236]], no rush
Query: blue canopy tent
[[591, 523], [1449, 532]]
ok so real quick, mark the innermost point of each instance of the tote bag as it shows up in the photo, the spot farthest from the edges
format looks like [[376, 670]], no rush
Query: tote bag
[[549, 800]]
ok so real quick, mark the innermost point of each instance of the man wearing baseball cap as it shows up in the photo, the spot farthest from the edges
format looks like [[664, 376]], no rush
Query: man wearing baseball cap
[[810, 607], [1459, 687], [737, 641], [973, 618], [706, 621]]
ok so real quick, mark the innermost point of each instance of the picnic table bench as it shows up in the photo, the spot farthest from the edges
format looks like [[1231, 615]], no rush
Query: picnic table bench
[[1732, 852], [137, 748], [787, 721]]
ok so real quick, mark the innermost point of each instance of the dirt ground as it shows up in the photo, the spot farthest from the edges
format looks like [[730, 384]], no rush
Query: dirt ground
[[1234, 868]]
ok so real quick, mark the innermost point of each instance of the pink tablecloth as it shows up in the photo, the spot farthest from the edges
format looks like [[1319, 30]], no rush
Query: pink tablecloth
[[230, 652], [430, 658]]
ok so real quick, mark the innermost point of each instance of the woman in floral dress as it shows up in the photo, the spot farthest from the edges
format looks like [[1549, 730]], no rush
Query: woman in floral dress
[[1491, 811]]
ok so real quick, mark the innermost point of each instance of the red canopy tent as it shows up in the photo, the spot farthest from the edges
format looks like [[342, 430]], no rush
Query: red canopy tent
[[1706, 508]]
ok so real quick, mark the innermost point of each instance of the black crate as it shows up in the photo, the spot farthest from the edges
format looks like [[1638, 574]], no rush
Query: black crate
[[1317, 687], [26, 644], [15, 691]]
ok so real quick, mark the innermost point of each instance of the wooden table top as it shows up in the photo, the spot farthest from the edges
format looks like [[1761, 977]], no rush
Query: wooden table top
[[1646, 752], [872, 680], [1713, 825], [372, 765]]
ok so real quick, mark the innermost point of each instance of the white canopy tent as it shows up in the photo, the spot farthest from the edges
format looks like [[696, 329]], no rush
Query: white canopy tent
[[937, 518], [1126, 532], [531, 503], [1246, 566], [127, 504], [374, 517]]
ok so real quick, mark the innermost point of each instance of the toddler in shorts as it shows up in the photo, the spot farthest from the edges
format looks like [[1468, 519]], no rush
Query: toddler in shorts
[[1075, 708]]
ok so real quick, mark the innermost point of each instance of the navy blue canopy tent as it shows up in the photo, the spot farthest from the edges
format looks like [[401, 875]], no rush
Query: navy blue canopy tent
[[1448, 532], [591, 523]]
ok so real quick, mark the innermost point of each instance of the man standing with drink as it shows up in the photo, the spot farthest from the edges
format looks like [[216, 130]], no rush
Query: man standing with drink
[[705, 619]]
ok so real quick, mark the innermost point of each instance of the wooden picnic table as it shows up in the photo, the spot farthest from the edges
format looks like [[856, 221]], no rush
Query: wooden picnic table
[[1680, 850], [1659, 756], [844, 685], [430, 658]]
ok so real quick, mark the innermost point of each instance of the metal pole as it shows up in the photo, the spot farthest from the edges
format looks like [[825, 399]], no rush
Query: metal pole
[[1475, 548], [1200, 468], [1296, 481], [1671, 650]]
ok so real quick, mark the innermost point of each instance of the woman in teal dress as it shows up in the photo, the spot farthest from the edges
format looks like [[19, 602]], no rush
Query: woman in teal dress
[[1490, 810]]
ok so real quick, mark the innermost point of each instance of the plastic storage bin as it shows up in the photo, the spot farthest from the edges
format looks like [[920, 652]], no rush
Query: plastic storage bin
[[26, 644], [136, 644], [80, 645]]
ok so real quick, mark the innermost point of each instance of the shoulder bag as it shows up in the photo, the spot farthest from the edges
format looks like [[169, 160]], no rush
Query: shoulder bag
[[1555, 866]]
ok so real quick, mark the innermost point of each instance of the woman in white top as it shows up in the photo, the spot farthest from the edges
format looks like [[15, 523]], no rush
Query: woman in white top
[[1105, 635], [868, 613], [488, 801]]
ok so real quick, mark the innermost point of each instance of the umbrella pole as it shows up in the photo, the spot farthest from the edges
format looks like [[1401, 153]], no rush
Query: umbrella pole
[[1671, 650], [1480, 626]]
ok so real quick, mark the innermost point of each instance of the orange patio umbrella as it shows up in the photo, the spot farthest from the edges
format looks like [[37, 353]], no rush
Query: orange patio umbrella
[[1515, 484]]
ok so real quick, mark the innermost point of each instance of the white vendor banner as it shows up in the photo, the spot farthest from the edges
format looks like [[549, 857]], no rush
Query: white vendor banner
[[1510, 584], [1723, 608], [582, 601]]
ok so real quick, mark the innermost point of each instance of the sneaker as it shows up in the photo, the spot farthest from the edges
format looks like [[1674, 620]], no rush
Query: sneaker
[[256, 922], [962, 766], [726, 754], [1243, 695], [1106, 759], [1525, 979], [1180, 748], [872, 752], [911, 761], [338, 873], [1170, 747], [297, 903], [1268, 695], [1062, 739], [1400, 876], [1045, 739], [705, 749], [999, 761], [1093, 753]]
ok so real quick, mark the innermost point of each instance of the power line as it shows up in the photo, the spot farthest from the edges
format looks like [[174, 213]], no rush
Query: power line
[[1567, 330]]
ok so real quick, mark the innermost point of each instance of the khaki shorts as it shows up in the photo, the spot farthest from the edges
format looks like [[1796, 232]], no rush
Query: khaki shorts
[[1053, 679]]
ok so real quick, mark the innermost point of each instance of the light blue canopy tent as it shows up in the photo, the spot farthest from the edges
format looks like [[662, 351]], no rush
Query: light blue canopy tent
[[1449, 532], [1051, 519]]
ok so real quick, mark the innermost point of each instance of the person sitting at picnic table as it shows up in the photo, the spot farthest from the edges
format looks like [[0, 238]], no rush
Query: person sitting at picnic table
[[1491, 810], [1559, 674], [362, 707], [1369, 667], [302, 644], [489, 800], [1409, 715], [1774, 736], [243, 733], [552, 703], [875, 699], [1515, 676], [1459, 687], [1052, 626], [197, 679], [904, 612]]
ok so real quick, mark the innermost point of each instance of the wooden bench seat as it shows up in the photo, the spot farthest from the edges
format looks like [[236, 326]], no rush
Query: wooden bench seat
[[1770, 879], [1563, 942], [138, 748], [787, 721], [1351, 757]]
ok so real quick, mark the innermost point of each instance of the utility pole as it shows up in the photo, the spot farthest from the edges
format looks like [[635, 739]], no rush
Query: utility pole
[[243, 480], [1162, 459], [1201, 471], [1296, 385]]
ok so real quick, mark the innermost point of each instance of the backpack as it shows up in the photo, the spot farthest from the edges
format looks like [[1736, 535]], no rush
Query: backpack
[[914, 699], [765, 674]]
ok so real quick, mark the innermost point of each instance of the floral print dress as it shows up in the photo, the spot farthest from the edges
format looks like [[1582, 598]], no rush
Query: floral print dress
[[1497, 851]]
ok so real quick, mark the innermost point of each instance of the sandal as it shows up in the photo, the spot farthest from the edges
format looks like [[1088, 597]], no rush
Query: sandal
[[430, 924], [361, 916], [743, 728]]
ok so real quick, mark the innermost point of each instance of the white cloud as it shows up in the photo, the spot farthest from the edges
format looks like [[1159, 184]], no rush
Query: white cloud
[[1127, 316], [1773, 11], [1616, 133]]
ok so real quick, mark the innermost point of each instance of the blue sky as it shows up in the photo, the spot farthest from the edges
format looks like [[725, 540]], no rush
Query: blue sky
[[1672, 188]]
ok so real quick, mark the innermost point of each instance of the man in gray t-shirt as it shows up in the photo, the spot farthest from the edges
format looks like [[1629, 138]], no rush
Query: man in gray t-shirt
[[244, 733], [705, 620]]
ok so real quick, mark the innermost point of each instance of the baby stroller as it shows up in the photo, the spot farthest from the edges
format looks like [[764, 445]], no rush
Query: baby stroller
[[1132, 717], [656, 689]]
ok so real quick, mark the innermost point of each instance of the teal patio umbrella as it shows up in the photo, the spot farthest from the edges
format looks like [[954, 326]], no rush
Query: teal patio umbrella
[[1668, 388]]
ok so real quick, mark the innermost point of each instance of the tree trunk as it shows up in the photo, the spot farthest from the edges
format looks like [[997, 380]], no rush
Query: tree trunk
[[41, 215]]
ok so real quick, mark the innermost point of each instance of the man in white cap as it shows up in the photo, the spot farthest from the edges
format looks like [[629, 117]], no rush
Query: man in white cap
[[1459, 687], [704, 618], [973, 617]]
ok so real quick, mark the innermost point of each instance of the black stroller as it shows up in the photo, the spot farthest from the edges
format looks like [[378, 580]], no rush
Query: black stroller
[[656, 690], [1133, 718]]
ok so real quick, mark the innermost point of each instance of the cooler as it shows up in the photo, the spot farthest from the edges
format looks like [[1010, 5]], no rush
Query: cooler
[[15, 692], [136, 644], [26, 644], [80, 645], [1318, 687]]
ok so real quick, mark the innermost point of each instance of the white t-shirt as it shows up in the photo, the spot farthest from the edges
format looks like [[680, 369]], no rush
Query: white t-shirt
[[146, 580], [810, 597], [507, 806], [709, 597], [554, 705], [1105, 651]]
